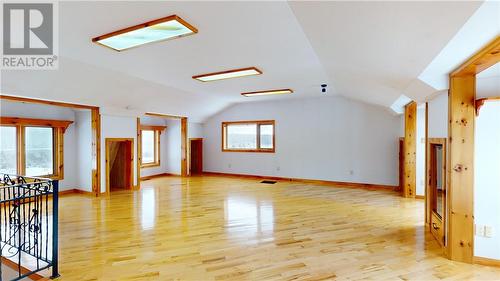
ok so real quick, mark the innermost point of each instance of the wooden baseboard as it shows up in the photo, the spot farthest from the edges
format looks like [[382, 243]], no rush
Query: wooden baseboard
[[75, 191], [487, 261], [419, 196], [158, 176], [310, 181], [35, 276]]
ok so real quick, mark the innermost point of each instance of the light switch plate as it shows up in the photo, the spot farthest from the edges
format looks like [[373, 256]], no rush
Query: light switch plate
[[488, 231], [479, 230]]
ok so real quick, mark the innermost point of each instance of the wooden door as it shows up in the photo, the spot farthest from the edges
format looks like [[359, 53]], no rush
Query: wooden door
[[196, 156], [119, 163]]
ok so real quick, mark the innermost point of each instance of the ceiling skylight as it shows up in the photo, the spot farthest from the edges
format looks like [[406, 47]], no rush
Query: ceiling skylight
[[153, 31], [234, 73], [268, 92]]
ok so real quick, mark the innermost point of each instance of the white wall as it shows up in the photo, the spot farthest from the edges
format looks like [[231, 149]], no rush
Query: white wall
[[40, 111], [487, 180], [420, 157], [83, 128], [173, 146], [328, 138], [117, 127], [150, 171], [195, 130], [438, 116]]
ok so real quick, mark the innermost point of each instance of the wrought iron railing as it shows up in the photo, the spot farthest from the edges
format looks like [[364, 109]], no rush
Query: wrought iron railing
[[29, 224]]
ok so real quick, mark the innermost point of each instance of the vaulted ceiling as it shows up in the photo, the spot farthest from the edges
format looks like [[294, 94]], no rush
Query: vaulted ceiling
[[368, 51]]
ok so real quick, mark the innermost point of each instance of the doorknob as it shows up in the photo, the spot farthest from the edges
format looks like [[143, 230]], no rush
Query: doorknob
[[435, 226]]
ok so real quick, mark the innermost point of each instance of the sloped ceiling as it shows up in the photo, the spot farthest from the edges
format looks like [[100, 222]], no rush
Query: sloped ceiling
[[369, 51]]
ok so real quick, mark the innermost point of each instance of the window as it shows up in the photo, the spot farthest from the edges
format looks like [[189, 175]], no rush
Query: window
[[150, 145], [32, 147], [248, 136], [8, 150], [39, 151]]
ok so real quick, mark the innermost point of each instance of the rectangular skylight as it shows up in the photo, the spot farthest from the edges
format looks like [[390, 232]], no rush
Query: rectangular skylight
[[234, 73], [268, 92], [153, 31]]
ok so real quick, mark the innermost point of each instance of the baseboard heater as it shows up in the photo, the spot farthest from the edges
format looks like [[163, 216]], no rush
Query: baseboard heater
[[268, 182]]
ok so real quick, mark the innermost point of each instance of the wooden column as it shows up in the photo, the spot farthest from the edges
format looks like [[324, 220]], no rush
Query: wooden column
[[410, 148], [139, 153], [426, 177], [184, 170], [460, 195], [96, 151]]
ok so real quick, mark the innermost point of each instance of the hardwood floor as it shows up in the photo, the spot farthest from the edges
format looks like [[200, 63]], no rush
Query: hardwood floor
[[222, 228]]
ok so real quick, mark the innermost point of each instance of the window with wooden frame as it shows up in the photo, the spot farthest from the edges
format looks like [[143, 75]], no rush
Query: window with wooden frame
[[248, 136], [32, 147], [150, 145]]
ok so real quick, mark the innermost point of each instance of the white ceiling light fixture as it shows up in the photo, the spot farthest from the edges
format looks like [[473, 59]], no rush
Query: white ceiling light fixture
[[268, 92], [234, 73], [162, 29]]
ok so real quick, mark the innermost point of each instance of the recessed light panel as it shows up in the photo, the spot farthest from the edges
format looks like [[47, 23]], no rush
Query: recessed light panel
[[149, 32], [269, 92], [235, 73]]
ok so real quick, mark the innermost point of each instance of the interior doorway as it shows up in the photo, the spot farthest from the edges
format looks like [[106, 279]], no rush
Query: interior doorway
[[119, 164], [401, 163], [195, 156], [437, 188]]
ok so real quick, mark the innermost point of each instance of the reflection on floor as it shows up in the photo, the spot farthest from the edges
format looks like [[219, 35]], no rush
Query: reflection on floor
[[220, 228]]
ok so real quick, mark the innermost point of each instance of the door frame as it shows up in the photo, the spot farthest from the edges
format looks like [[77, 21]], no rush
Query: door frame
[[189, 154], [437, 224], [401, 143], [108, 141]]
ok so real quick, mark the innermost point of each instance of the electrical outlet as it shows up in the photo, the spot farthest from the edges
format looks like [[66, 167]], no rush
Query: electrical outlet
[[479, 230], [488, 231]]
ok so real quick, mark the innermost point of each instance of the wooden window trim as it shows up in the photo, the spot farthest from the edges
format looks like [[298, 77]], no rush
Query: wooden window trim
[[58, 129], [258, 123], [157, 133]]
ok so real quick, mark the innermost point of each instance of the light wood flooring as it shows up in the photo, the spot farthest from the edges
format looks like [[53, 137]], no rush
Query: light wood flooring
[[223, 228]]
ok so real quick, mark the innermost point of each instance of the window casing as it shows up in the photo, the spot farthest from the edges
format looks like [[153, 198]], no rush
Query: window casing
[[248, 136], [32, 147], [150, 145]]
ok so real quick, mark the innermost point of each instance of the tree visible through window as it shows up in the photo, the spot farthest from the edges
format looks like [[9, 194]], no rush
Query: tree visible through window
[[248, 136]]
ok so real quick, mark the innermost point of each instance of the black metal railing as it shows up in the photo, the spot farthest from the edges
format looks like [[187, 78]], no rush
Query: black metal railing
[[29, 224]]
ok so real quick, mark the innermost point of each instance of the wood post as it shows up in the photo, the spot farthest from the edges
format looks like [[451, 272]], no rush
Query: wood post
[[96, 151], [184, 170], [139, 153], [460, 167], [410, 149]]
